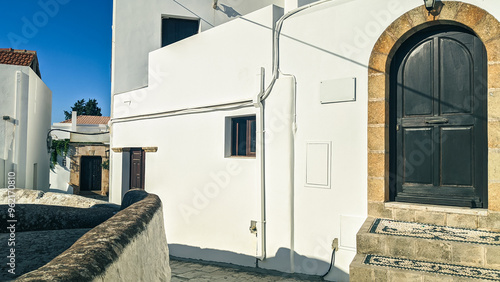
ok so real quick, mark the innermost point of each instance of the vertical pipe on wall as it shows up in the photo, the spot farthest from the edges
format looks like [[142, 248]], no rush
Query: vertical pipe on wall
[[110, 123], [261, 163], [15, 120], [293, 130]]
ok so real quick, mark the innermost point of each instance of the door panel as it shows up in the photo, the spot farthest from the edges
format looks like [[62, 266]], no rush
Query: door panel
[[418, 163], [456, 156], [456, 66], [418, 82], [437, 110]]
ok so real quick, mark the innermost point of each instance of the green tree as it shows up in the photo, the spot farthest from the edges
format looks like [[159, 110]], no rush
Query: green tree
[[88, 108]]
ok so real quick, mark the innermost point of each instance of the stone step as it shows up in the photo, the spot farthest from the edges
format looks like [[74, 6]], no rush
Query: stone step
[[460, 217], [377, 268], [440, 244]]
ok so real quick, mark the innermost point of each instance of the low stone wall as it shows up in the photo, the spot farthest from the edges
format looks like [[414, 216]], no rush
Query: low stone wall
[[129, 246], [25, 196], [36, 211]]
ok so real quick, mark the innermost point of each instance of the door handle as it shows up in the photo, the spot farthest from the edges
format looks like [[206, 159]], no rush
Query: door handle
[[436, 120]]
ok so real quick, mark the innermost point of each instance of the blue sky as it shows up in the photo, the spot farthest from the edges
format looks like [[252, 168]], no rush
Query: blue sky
[[73, 42]]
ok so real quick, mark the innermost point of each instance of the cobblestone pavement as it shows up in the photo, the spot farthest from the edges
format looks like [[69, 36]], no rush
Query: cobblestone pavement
[[201, 271]]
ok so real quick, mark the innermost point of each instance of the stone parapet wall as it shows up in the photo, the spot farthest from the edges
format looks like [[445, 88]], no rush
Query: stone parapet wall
[[130, 246], [26, 196], [47, 217]]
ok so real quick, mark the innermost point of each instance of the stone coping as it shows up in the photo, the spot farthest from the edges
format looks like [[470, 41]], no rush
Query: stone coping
[[27, 196], [95, 251], [31, 217]]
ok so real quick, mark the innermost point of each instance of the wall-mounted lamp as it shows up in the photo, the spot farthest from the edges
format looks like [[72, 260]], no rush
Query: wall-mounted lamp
[[429, 5], [6, 118]]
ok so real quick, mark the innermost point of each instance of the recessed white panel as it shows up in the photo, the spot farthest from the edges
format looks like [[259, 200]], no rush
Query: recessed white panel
[[349, 227], [318, 164], [338, 90]]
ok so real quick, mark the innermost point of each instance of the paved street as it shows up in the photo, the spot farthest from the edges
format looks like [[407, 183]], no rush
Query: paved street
[[193, 270]]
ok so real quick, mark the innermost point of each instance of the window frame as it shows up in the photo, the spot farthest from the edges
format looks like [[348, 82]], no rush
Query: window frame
[[235, 134], [166, 17]]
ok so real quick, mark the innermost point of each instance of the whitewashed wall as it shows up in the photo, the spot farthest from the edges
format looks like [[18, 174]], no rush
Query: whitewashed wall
[[137, 31], [7, 108], [326, 42], [39, 119], [28, 101], [195, 172]]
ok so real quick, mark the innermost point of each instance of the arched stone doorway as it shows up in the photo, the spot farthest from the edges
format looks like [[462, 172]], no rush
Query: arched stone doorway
[[487, 29], [437, 119]]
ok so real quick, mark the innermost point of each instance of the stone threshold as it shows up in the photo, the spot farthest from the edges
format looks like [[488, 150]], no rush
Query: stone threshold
[[436, 208], [461, 217]]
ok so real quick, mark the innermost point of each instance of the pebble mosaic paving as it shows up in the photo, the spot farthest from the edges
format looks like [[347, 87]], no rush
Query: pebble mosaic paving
[[432, 267], [427, 231]]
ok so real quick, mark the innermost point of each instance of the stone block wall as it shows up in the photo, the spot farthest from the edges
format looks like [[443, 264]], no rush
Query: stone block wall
[[129, 246]]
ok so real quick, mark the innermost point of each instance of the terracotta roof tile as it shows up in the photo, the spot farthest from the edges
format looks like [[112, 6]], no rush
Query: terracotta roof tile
[[89, 120], [9, 56], [16, 57]]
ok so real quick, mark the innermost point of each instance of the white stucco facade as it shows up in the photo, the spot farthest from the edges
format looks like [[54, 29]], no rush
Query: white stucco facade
[[315, 160], [26, 105]]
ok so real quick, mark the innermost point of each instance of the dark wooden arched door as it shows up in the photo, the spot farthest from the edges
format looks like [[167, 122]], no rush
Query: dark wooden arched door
[[438, 142]]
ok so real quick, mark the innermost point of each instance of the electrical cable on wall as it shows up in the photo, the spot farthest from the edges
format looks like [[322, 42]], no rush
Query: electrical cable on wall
[[332, 262]]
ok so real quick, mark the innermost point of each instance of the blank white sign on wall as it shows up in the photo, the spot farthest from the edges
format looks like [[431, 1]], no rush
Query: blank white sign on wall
[[318, 164], [338, 90]]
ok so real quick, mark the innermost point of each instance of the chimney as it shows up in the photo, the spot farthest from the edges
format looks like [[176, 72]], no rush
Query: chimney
[[73, 121]]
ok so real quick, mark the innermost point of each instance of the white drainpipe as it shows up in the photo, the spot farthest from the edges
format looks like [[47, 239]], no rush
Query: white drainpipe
[[262, 97], [261, 163]]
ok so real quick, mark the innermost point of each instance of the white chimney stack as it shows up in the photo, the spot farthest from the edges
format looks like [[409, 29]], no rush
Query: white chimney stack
[[73, 121]]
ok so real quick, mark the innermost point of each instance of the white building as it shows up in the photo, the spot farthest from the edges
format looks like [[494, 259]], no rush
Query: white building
[[25, 106], [83, 168], [320, 83]]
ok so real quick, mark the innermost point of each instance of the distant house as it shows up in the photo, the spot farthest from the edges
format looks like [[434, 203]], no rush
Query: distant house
[[25, 107], [273, 131], [84, 168]]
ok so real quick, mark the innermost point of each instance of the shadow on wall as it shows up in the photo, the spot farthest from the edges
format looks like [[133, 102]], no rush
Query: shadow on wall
[[306, 2], [303, 264], [229, 11]]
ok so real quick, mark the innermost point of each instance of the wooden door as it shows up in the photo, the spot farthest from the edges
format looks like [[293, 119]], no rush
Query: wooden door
[[91, 173], [137, 158], [438, 105]]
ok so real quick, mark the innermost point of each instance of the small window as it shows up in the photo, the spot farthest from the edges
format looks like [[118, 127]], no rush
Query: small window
[[243, 141], [174, 30]]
